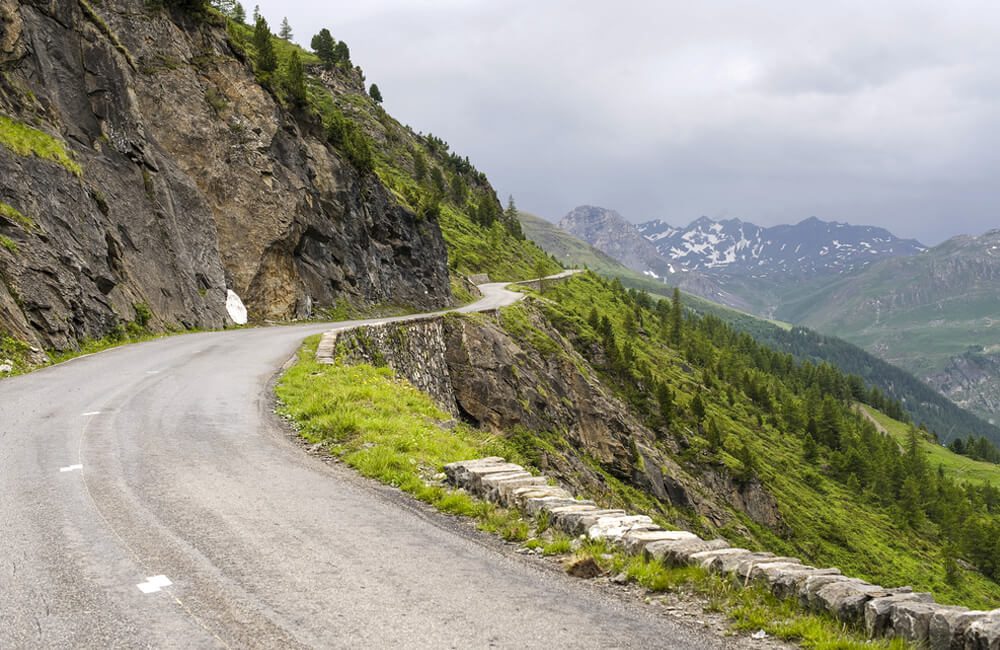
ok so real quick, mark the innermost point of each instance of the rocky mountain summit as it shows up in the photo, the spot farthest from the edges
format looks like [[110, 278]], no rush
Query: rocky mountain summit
[[145, 172], [808, 248]]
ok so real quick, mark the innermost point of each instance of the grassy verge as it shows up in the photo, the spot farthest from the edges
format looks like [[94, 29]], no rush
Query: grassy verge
[[389, 431]]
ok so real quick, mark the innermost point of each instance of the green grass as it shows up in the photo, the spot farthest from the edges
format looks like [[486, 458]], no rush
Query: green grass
[[8, 243], [24, 140], [12, 214], [389, 431], [955, 465]]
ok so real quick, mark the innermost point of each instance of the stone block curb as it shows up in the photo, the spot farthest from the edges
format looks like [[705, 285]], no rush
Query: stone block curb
[[879, 611]]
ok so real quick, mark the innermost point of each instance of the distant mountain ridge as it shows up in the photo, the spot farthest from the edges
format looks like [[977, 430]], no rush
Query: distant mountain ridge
[[806, 249]]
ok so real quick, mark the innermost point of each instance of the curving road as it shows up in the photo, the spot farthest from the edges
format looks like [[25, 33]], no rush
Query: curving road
[[163, 460]]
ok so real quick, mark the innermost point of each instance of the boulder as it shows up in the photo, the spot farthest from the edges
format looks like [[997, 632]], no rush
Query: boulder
[[786, 579], [984, 633], [704, 559], [678, 553], [846, 599], [635, 541], [579, 522], [541, 500], [911, 620], [614, 528], [878, 612], [948, 627]]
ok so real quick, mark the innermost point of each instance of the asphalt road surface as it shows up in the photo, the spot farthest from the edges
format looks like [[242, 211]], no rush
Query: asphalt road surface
[[150, 498]]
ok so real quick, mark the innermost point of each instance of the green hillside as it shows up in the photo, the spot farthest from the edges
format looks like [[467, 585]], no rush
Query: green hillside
[[849, 495], [958, 467]]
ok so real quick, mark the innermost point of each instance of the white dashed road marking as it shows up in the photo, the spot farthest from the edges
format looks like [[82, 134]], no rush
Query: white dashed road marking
[[91, 413], [152, 372], [154, 584], [70, 468]]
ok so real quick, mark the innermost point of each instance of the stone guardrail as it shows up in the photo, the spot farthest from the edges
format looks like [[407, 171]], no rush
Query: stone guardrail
[[881, 612]]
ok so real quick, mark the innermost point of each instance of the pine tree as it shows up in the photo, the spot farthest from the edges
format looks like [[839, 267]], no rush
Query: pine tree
[[459, 190], [267, 61], [323, 45], [676, 318], [342, 53], [419, 166], [295, 79], [375, 93], [256, 14], [286, 30], [437, 180], [239, 13], [748, 464], [665, 401], [698, 407]]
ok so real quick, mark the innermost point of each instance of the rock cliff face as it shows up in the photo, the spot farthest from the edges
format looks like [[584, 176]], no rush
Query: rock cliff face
[[186, 179]]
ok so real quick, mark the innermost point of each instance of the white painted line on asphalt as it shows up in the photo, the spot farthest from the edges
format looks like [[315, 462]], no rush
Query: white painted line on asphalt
[[91, 413], [70, 468], [154, 584], [152, 372]]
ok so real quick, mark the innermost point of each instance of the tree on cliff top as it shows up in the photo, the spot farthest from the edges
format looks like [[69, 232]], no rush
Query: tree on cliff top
[[323, 45]]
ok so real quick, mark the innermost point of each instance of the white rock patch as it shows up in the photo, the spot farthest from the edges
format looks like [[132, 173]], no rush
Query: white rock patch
[[237, 310]]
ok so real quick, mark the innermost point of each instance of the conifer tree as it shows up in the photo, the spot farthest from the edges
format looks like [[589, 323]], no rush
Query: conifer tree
[[239, 13], [419, 166], [698, 407], [267, 61], [295, 79], [375, 93], [286, 30], [323, 45], [256, 14], [341, 53], [676, 318]]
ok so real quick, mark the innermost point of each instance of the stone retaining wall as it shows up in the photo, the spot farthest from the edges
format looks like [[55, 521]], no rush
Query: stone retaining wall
[[881, 612], [414, 349]]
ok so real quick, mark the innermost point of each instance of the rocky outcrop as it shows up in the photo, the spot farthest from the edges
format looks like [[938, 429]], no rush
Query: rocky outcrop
[[882, 612], [192, 181], [972, 381]]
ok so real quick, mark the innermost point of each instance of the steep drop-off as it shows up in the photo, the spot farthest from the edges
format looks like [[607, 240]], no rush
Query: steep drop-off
[[144, 171]]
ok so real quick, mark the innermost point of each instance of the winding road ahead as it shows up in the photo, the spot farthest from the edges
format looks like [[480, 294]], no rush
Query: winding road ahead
[[150, 498]]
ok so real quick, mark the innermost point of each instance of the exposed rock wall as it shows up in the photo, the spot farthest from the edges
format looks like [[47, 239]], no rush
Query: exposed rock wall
[[194, 181]]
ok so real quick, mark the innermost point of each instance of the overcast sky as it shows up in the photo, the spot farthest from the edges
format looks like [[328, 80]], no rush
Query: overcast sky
[[883, 113]]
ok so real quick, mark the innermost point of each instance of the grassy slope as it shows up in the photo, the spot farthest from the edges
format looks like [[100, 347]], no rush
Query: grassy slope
[[959, 467], [830, 525]]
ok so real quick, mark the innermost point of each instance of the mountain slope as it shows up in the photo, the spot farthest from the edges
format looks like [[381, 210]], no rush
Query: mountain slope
[[933, 314], [922, 403]]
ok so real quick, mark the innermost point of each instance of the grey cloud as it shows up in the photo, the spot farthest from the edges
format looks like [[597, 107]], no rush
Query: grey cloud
[[879, 113]]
